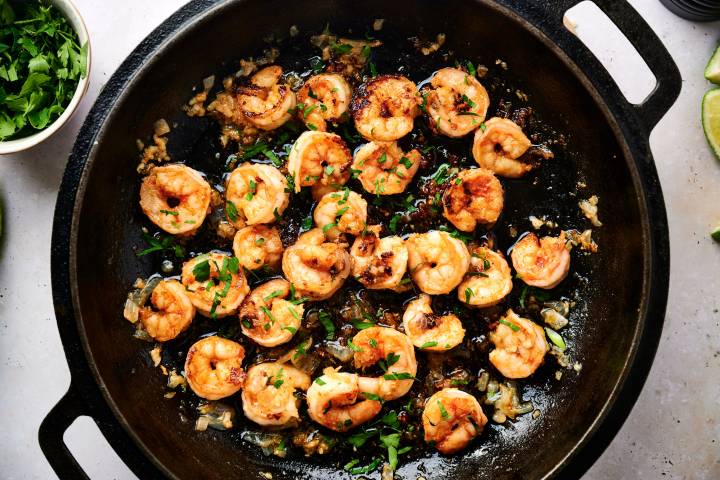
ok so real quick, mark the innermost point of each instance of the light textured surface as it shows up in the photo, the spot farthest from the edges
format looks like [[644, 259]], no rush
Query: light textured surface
[[673, 430]]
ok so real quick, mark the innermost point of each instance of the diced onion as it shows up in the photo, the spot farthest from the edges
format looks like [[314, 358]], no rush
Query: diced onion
[[554, 319], [208, 82], [161, 127], [344, 354]]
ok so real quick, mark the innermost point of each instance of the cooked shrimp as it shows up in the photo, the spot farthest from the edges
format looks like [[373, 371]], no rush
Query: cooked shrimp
[[488, 280], [498, 145], [319, 159], [171, 311], [336, 400], [437, 261], [385, 108], [451, 419], [258, 193], [456, 102], [379, 262], [395, 350], [435, 333], [324, 98], [258, 246], [268, 394], [215, 284], [542, 263], [266, 102], [267, 316], [175, 198], [520, 346], [384, 168], [213, 367], [316, 267], [475, 196], [338, 212]]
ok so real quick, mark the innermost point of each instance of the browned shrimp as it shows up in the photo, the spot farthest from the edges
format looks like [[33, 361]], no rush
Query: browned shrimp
[[384, 168], [542, 263], [175, 198], [451, 419], [520, 346], [379, 262], [268, 317], [336, 400], [475, 196], [320, 160], [385, 108], [488, 280], [456, 102], [213, 367], [428, 331], [266, 102], [497, 146], [316, 267], [215, 284], [324, 98], [171, 314], [258, 246]]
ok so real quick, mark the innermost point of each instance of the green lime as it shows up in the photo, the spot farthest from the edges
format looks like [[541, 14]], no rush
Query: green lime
[[711, 119], [715, 234], [712, 71]]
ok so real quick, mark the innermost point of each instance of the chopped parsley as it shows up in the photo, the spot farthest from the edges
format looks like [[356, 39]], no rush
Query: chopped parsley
[[327, 323], [511, 325], [428, 345]]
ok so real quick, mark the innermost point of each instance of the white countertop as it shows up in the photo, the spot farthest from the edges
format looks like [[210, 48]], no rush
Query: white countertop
[[674, 429]]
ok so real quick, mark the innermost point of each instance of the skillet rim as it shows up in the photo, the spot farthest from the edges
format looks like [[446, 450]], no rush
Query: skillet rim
[[644, 178]]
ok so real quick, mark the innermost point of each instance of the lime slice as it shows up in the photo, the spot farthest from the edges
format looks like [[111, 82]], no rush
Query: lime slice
[[712, 71], [711, 119]]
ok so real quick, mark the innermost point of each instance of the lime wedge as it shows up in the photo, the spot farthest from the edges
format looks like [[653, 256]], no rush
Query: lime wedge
[[715, 234], [711, 119], [712, 71]]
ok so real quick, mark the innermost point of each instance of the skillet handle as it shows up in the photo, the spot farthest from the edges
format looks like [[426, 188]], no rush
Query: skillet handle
[[650, 48], [53, 427]]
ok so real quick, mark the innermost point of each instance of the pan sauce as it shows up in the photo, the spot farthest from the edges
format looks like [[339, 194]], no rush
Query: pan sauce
[[552, 191]]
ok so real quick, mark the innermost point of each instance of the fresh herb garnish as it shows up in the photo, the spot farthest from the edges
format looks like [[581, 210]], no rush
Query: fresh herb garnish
[[511, 325], [443, 412], [42, 64], [232, 211], [327, 323], [428, 345]]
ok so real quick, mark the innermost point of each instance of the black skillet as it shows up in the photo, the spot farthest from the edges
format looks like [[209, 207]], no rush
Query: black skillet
[[95, 231]]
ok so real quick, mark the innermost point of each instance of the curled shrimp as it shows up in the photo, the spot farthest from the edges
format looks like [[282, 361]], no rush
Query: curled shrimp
[[456, 102], [394, 352], [258, 246], [520, 346], [437, 261], [266, 102], [384, 168], [171, 314], [379, 262], [498, 145], [428, 331], [215, 284], [385, 108], [213, 367], [341, 212], [452, 419], [488, 280], [336, 400], [268, 394], [475, 196], [256, 193], [320, 160], [268, 317], [175, 198], [542, 263], [316, 267], [324, 98]]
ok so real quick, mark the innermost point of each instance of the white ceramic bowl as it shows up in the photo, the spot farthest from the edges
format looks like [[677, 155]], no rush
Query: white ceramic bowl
[[73, 15]]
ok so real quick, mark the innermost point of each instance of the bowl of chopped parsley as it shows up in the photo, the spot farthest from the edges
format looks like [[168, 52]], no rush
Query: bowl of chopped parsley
[[44, 64]]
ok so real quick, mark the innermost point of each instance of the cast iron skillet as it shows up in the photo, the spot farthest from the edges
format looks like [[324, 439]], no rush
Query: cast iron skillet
[[93, 262]]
